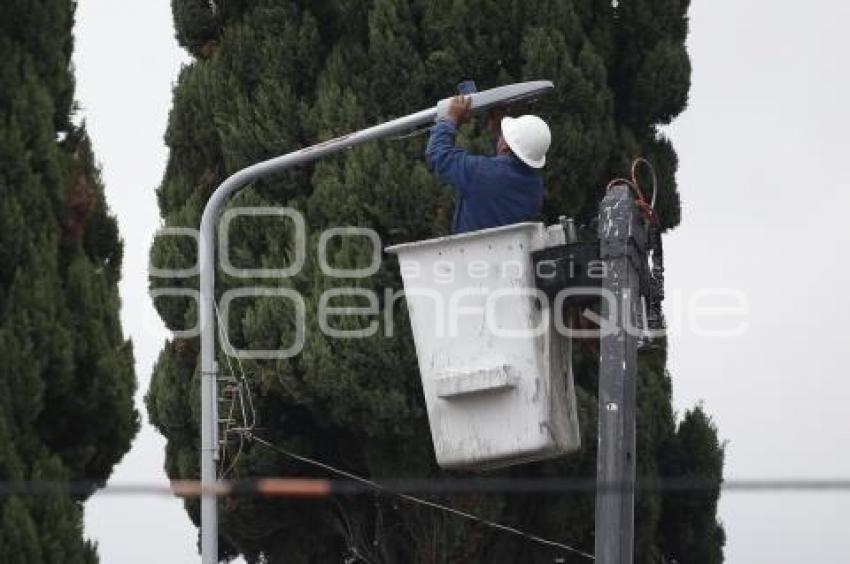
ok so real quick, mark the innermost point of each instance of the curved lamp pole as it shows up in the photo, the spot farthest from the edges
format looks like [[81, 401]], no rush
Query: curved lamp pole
[[206, 256]]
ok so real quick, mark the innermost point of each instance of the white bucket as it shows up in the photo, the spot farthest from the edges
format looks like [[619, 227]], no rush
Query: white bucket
[[497, 378]]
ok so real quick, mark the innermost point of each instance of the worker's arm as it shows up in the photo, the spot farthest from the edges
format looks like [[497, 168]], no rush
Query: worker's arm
[[453, 165]]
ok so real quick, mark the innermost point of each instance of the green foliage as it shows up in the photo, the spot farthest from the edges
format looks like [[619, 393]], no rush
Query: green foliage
[[66, 380], [285, 74], [691, 531]]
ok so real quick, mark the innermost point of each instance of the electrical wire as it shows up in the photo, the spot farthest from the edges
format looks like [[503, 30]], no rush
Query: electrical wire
[[244, 377], [322, 488], [642, 161], [434, 505], [243, 389], [224, 471], [646, 208], [248, 394]]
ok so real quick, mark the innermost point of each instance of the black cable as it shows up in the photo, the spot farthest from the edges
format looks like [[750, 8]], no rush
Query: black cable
[[381, 488]]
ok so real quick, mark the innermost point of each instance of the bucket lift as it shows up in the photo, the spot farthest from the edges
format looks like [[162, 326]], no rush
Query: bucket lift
[[496, 374], [496, 370]]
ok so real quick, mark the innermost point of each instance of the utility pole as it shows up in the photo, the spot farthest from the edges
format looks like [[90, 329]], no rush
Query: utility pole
[[622, 237], [206, 256]]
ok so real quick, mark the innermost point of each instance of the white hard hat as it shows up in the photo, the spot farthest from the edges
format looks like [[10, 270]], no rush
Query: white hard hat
[[529, 138]]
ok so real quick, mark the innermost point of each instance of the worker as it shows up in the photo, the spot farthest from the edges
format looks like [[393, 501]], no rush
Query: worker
[[498, 190]]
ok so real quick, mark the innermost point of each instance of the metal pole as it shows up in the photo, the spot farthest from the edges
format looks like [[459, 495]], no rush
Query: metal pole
[[206, 254], [622, 238], [206, 257]]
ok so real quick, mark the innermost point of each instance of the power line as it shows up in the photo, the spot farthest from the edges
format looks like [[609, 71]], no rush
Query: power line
[[434, 505], [288, 487]]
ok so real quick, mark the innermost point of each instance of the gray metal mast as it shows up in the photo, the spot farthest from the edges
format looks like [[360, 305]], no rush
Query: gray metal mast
[[622, 237], [206, 257]]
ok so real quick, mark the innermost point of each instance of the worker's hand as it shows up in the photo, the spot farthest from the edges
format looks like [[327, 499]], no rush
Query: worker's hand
[[460, 108]]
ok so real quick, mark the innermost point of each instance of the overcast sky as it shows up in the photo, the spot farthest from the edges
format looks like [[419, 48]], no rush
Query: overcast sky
[[765, 184]]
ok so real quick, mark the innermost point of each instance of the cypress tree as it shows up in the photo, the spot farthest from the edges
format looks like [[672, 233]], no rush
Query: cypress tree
[[272, 76], [66, 378]]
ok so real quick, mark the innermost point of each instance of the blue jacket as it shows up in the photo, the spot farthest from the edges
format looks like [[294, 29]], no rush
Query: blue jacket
[[493, 190]]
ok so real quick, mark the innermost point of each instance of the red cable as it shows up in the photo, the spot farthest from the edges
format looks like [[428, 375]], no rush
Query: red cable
[[644, 206]]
